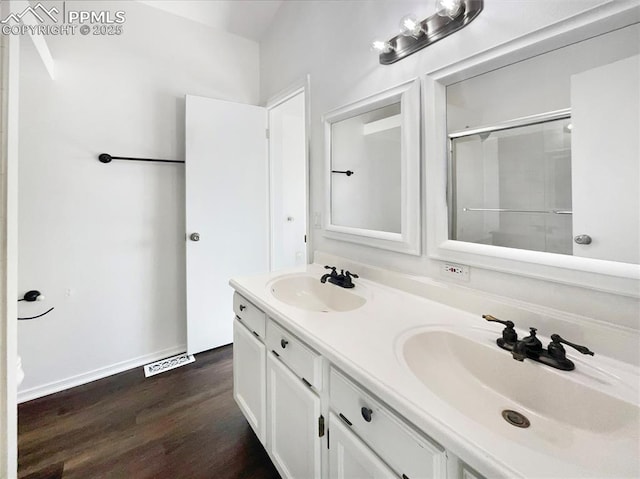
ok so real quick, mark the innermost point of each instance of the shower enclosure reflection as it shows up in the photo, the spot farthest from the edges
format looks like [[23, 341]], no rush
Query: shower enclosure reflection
[[544, 152], [512, 186]]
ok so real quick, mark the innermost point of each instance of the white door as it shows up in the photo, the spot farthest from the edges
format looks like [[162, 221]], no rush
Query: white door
[[350, 458], [288, 180], [293, 413], [249, 374], [226, 179], [606, 99]]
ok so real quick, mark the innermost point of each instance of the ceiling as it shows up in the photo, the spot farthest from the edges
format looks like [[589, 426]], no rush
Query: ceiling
[[246, 18]]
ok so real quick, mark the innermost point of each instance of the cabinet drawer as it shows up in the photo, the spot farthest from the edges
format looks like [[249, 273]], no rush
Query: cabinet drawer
[[295, 354], [249, 315], [408, 453]]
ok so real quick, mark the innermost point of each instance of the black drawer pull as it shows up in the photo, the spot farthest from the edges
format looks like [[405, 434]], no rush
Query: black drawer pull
[[283, 343], [366, 413], [242, 307], [345, 419]]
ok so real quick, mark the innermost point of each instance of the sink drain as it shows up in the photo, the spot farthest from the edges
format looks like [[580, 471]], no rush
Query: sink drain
[[515, 418]]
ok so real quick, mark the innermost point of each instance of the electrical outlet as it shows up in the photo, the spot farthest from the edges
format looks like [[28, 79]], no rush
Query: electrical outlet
[[317, 220], [457, 271]]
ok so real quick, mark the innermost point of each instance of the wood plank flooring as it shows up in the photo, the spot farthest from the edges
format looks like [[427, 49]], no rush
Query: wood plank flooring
[[181, 424]]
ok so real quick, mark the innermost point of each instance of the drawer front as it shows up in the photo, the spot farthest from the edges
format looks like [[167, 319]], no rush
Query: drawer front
[[295, 354], [409, 454], [249, 315]]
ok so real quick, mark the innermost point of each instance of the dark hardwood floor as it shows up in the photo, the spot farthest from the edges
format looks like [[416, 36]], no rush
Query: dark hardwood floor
[[181, 424]]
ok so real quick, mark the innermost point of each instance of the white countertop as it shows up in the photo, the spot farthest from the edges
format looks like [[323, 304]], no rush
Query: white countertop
[[364, 344]]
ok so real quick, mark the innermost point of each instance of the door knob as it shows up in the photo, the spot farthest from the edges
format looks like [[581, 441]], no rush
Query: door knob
[[195, 236], [582, 239]]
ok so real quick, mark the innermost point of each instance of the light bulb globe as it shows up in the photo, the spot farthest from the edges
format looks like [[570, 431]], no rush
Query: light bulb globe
[[449, 8], [410, 26], [381, 47]]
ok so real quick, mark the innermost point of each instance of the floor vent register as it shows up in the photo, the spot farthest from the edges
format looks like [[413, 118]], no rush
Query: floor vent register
[[166, 364]]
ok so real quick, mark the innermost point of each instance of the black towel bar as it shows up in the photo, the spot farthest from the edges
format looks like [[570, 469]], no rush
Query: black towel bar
[[106, 158]]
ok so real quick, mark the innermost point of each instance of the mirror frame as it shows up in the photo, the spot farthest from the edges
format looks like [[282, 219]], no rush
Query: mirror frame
[[596, 274], [409, 239]]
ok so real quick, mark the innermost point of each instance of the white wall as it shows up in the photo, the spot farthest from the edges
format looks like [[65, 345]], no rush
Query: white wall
[[332, 45], [105, 243]]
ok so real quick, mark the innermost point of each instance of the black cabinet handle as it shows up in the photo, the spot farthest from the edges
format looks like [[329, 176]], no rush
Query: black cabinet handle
[[366, 413], [283, 343], [242, 307]]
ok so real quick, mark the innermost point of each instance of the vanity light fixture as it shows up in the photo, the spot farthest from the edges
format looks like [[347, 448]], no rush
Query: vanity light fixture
[[450, 16]]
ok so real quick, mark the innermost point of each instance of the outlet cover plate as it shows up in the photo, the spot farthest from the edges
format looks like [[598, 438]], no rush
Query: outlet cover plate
[[459, 272]]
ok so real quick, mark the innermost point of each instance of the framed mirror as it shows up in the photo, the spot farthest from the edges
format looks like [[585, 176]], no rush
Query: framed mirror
[[535, 145], [372, 150]]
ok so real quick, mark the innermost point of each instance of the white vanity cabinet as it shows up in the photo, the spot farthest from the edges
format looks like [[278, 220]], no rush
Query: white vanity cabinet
[[249, 369], [349, 457], [409, 454], [295, 421], [317, 423], [276, 384]]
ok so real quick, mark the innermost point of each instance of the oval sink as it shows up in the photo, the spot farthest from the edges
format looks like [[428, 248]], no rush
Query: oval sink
[[468, 371], [308, 293]]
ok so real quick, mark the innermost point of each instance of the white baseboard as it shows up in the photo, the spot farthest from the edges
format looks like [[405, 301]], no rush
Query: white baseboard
[[89, 376]]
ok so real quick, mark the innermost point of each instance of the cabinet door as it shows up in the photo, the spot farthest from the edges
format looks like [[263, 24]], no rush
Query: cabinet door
[[293, 423], [249, 389], [350, 458]]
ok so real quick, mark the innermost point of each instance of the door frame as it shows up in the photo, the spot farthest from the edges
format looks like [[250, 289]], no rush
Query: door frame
[[301, 86], [8, 255]]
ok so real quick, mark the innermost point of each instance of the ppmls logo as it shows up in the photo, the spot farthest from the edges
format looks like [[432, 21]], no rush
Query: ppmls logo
[[38, 11], [38, 20]]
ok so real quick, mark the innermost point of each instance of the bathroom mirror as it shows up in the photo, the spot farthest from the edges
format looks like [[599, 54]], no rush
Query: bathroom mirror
[[537, 147], [372, 152]]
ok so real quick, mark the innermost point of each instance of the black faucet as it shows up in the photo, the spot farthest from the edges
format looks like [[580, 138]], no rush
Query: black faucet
[[530, 347], [333, 274], [343, 279]]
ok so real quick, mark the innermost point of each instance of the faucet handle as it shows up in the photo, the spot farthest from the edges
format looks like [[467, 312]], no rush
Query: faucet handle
[[556, 348], [333, 270], [349, 273], [509, 335], [488, 317]]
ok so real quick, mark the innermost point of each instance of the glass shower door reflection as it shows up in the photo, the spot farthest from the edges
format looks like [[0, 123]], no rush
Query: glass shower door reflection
[[512, 187]]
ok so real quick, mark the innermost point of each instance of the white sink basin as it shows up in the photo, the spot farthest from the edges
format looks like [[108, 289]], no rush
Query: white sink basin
[[308, 293], [571, 415]]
